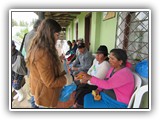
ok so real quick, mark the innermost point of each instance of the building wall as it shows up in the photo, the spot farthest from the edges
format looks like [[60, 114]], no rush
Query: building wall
[[102, 32], [108, 32], [81, 27]]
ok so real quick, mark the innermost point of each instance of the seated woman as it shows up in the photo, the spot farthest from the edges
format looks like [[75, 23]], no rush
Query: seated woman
[[116, 89], [99, 69]]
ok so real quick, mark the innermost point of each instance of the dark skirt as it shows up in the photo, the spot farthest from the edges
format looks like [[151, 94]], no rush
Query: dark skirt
[[82, 90]]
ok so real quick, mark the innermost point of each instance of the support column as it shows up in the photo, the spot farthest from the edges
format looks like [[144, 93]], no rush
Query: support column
[[95, 31], [41, 15]]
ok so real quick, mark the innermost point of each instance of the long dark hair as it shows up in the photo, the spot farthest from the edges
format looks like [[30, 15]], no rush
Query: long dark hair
[[120, 54], [44, 38], [70, 44]]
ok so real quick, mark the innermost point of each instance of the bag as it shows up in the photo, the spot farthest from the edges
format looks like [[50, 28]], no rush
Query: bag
[[142, 68], [70, 57], [19, 66], [66, 92]]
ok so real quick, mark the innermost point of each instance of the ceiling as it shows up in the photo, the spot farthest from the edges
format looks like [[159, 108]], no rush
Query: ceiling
[[63, 18]]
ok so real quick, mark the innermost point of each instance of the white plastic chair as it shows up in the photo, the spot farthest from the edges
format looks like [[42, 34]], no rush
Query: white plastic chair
[[138, 83], [138, 96]]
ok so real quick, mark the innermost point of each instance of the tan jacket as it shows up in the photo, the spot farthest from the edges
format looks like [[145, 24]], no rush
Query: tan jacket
[[45, 85]]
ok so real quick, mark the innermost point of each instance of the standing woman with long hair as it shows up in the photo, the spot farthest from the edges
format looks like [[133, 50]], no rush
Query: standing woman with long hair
[[47, 77]]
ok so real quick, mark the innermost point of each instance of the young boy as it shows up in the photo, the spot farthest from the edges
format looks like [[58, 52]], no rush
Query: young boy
[[18, 72]]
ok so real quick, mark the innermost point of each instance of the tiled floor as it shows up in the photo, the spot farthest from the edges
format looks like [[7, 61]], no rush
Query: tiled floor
[[26, 103]]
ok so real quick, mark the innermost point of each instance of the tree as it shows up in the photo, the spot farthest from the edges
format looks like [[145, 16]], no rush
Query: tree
[[22, 23], [32, 22], [22, 33], [14, 23]]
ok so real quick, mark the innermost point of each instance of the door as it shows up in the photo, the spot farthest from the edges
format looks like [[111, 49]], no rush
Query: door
[[87, 30], [77, 31]]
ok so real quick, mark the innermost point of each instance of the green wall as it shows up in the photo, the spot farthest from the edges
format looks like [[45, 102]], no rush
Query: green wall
[[102, 32], [69, 33], [81, 25], [108, 32]]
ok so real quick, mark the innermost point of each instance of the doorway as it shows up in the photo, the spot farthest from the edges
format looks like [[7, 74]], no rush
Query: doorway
[[87, 30], [77, 31]]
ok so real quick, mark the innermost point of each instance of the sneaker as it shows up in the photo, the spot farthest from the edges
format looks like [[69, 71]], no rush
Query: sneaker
[[15, 97], [20, 98]]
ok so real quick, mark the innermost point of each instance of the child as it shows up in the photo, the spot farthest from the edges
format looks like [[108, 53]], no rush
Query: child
[[18, 72]]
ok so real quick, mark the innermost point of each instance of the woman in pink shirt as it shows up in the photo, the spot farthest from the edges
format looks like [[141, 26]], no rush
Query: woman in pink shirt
[[118, 86]]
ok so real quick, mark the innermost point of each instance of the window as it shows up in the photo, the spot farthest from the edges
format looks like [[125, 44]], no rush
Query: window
[[133, 34]]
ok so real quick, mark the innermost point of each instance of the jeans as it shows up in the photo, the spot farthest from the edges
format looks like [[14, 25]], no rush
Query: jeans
[[33, 103]]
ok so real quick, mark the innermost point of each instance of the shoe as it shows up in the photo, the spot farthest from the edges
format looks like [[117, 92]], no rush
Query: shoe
[[20, 98], [20, 95], [15, 97]]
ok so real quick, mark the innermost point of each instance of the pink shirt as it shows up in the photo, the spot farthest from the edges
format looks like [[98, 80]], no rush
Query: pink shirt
[[122, 82]]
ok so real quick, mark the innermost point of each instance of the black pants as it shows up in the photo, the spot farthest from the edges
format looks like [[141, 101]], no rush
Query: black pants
[[82, 90]]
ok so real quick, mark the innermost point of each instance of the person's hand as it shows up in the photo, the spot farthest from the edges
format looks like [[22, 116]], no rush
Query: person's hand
[[84, 81], [97, 92], [86, 76], [76, 78], [62, 57], [79, 76], [75, 68], [68, 62]]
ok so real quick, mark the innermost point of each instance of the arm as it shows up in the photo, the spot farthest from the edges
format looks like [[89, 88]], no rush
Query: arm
[[91, 68], [45, 68], [120, 78], [87, 63], [76, 61]]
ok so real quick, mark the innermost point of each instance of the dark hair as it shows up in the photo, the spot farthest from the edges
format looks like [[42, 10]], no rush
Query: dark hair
[[44, 36], [73, 41], [81, 45], [70, 44], [103, 50], [120, 54]]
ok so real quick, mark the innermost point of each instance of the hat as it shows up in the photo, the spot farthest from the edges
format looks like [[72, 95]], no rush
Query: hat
[[102, 49], [81, 45]]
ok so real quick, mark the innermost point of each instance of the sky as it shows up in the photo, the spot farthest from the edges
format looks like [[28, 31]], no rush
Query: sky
[[24, 16]]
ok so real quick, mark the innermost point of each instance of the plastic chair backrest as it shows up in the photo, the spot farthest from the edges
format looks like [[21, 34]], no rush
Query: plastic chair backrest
[[138, 83], [138, 96]]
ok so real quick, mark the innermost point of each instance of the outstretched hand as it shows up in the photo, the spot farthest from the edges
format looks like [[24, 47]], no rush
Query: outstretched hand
[[85, 77], [79, 76]]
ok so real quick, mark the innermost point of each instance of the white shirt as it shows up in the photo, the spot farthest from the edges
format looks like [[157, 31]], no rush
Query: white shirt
[[98, 70]]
